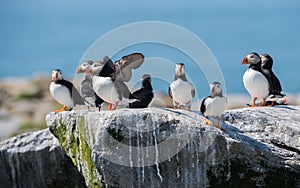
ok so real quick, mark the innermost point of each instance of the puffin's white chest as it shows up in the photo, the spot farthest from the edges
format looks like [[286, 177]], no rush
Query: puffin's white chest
[[215, 106], [181, 91], [61, 94], [256, 83], [105, 89]]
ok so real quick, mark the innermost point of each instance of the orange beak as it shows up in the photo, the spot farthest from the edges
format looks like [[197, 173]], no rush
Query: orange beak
[[88, 71], [78, 70], [245, 61], [55, 76], [179, 70]]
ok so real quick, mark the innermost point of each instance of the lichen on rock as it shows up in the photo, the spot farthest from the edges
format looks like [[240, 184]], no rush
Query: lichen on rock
[[166, 148], [70, 131]]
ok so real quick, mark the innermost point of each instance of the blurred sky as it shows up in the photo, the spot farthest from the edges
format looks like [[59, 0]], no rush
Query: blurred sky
[[39, 35]]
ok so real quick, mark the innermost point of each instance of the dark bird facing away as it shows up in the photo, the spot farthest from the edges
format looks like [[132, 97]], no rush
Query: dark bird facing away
[[275, 95], [143, 95]]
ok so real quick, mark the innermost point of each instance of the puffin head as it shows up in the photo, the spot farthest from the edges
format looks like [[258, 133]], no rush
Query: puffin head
[[146, 77], [266, 61], [95, 68], [84, 66], [180, 69], [215, 89], [146, 81], [252, 58], [57, 75]]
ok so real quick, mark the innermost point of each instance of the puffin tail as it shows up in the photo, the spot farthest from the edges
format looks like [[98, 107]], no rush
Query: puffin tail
[[277, 99], [126, 101]]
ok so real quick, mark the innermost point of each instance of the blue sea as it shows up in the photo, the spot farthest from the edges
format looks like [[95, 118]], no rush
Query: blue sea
[[38, 36]]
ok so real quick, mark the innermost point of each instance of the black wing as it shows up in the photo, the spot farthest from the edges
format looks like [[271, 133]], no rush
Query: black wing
[[140, 94], [203, 107], [275, 86], [76, 97], [170, 92], [108, 68], [144, 96]]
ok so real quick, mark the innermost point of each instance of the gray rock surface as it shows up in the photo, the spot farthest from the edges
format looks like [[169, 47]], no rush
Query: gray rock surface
[[277, 127], [36, 160], [165, 148]]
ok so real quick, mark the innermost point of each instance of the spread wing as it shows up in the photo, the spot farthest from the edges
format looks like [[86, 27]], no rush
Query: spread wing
[[108, 67], [123, 67], [122, 89]]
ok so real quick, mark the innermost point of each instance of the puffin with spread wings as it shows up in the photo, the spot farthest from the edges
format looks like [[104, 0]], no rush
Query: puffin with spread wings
[[112, 88]]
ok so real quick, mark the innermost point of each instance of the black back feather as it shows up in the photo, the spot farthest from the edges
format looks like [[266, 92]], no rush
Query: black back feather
[[203, 107], [76, 97], [143, 95]]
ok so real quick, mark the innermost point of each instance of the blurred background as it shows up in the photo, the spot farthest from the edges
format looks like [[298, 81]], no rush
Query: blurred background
[[38, 36]]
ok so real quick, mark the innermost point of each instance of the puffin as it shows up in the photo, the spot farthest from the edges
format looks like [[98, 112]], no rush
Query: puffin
[[86, 89], [214, 104], [64, 92], [275, 95], [112, 89], [143, 95], [180, 90], [255, 80]]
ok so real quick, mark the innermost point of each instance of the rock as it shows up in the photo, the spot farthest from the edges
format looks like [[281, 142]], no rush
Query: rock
[[36, 160], [166, 148]]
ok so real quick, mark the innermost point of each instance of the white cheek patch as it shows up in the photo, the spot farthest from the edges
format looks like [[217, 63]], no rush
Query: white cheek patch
[[182, 71], [263, 59], [254, 59]]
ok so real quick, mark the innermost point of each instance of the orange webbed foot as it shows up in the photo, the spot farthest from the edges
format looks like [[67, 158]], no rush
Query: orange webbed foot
[[208, 122], [60, 110], [110, 106]]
